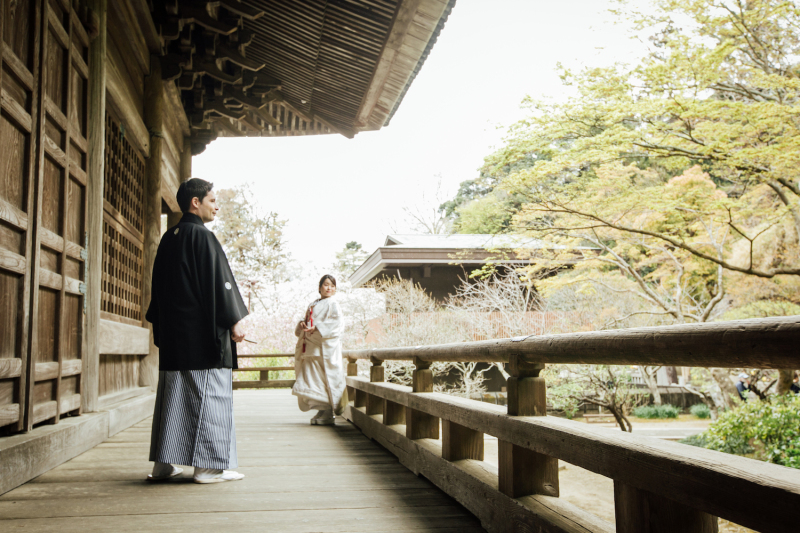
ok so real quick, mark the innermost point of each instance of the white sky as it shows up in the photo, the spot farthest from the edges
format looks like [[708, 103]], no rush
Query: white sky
[[489, 55]]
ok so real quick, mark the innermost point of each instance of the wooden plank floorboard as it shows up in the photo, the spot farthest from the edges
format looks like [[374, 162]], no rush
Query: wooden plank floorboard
[[299, 478]]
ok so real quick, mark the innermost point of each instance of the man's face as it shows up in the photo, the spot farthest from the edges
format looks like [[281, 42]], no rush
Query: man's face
[[207, 209]]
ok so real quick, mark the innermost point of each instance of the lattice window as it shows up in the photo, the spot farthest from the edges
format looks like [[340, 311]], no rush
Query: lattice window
[[124, 175], [122, 274], [122, 225]]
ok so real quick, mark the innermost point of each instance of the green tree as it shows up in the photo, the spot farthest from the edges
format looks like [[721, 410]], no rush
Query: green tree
[[253, 239], [350, 258], [678, 172]]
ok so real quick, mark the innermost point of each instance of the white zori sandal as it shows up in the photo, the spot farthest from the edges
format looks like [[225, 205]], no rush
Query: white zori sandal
[[323, 418], [213, 475], [162, 471]]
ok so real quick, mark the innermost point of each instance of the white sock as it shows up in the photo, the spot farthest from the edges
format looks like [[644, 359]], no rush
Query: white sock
[[206, 473], [162, 469]]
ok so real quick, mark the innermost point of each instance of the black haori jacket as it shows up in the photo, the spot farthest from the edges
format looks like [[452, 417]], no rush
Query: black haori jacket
[[195, 300]]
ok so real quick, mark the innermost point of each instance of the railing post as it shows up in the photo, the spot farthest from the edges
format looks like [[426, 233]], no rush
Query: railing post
[[376, 374], [420, 425], [523, 472], [459, 442], [264, 375], [359, 397], [641, 511], [352, 370]]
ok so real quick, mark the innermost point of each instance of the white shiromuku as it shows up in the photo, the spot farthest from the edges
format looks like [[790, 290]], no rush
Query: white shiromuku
[[319, 371]]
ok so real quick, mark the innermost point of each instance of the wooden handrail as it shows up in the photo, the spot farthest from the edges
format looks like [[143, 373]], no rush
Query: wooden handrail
[[664, 486], [754, 343], [721, 484], [268, 356], [264, 382]]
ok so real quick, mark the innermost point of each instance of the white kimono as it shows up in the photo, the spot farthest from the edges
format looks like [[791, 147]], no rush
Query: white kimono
[[319, 371]]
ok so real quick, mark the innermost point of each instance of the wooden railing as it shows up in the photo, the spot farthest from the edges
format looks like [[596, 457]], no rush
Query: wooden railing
[[659, 486], [264, 382]]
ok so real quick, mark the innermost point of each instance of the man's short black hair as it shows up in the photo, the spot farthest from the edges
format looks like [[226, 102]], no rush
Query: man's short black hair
[[192, 188]]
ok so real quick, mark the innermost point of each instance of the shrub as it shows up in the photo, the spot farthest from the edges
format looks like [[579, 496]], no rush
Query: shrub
[[656, 411], [700, 410], [735, 445], [768, 430]]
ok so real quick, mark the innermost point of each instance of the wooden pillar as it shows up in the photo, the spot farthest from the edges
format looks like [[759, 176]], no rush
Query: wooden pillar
[[393, 413], [352, 370], [153, 119], [459, 442], [90, 370], [420, 425], [640, 511], [523, 472], [376, 375], [185, 174]]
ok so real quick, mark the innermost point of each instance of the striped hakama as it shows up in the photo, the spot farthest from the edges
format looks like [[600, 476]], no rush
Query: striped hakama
[[193, 419]]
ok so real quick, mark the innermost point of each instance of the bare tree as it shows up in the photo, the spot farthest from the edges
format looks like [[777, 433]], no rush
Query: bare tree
[[606, 386], [427, 215]]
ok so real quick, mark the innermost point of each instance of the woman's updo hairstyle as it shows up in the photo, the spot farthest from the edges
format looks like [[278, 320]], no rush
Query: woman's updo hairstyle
[[327, 276]]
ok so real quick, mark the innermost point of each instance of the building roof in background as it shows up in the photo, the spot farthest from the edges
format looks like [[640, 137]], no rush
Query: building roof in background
[[408, 250], [462, 241]]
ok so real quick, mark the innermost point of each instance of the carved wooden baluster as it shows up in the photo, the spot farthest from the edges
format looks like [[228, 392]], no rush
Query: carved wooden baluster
[[640, 511], [420, 425], [375, 403], [523, 472]]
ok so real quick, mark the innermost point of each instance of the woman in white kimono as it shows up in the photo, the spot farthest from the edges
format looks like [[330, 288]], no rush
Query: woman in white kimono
[[318, 367]]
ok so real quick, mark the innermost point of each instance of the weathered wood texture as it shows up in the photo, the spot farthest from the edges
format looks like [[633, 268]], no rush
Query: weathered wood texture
[[300, 478], [154, 120], [419, 424], [123, 224], [755, 343], [374, 404], [711, 482], [262, 68], [26, 456], [458, 442], [474, 484], [640, 511], [185, 173], [43, 134], [117, 339], [94, 204], [264, 382]]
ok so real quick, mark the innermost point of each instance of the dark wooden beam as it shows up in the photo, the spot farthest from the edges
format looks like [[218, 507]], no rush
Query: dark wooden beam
[[94, 219]]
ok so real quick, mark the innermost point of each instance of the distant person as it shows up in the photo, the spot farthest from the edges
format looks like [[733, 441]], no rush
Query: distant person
[[196, 312], [743, 385], [318, 367]]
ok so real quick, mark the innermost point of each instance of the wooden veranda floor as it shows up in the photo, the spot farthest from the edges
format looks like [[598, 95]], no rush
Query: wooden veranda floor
[[300, 478]]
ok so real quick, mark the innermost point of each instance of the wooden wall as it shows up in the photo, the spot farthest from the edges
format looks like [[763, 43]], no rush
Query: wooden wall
[[43, 200], [44, 75], [127, 149]]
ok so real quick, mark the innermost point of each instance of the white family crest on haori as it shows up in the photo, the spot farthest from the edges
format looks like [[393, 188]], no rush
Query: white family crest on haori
[[319, 371]]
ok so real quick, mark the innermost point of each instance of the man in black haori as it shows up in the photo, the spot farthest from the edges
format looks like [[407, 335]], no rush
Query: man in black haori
[[196, 311]]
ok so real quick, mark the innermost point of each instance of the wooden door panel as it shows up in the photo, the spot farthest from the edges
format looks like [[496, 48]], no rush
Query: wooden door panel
[[52, 200], [19, 27], [58, 324]]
